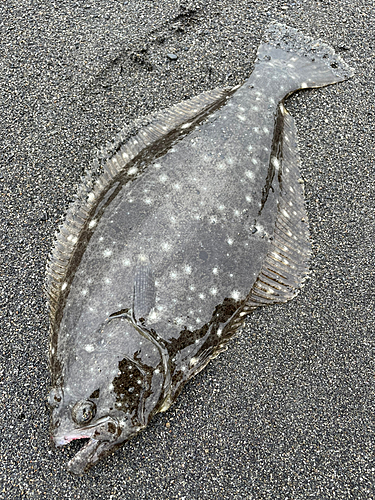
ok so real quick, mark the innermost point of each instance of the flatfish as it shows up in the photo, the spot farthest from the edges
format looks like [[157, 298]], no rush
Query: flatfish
[[196, 221]]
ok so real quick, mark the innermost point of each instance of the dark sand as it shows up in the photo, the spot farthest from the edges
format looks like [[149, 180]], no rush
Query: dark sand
[[288, 411]]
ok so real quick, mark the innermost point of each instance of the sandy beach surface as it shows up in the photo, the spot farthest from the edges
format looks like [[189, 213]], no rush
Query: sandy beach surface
[[287, 412]]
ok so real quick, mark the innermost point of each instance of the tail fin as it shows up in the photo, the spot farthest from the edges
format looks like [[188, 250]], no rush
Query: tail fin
[[308, 62]]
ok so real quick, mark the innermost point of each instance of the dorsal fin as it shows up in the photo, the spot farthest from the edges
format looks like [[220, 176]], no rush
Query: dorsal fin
[[150, 142]]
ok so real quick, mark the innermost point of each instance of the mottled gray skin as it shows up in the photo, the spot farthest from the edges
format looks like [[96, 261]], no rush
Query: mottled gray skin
[[167, 272]]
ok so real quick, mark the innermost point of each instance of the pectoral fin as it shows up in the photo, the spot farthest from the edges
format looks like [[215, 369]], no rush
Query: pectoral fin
[[144, 291]]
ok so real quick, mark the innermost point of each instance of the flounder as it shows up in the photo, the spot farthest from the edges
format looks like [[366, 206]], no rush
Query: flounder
[[196, 221]]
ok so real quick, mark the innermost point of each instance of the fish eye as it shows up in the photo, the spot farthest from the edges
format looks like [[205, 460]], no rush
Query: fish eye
[[83, 412]]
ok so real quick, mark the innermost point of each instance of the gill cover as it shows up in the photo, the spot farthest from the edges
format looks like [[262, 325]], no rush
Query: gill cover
[[110, 390]]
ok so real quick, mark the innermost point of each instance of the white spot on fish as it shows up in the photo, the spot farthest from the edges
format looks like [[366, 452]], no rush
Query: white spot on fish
[[186, 125], [213, 291], [192, 288], [166, 245], [148, 201], [215, 270], [173, 275], [107, 252], [92, 223], [304, 85], [249, 174], [84, 292], [64, 285], [219, 332], [108, 281], [285, 213], [230, 241], [72, 238], [187, 269], [157, 165], [89, 348], [275, 162], [163, 178], [248, 199], [132, 170], [126, 263], [235, 295], [242, 118]]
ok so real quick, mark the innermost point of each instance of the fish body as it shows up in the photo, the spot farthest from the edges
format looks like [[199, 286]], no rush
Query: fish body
[[196, 221]]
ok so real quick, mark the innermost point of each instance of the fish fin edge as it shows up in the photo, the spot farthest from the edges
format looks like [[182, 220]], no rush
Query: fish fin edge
[[286, 265], [292, 41]]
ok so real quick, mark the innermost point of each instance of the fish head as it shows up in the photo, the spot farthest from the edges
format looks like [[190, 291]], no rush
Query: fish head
[[107, 391]]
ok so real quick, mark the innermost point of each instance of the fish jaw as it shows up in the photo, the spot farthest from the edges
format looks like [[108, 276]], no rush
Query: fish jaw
[[104, 441], [90, 454], [82, 433], [104, 437]]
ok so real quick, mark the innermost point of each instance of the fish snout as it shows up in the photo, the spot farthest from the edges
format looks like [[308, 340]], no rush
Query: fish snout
[[105, 437]]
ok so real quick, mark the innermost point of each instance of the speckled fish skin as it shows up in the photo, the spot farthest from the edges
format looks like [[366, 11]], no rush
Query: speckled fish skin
[[196, 221]]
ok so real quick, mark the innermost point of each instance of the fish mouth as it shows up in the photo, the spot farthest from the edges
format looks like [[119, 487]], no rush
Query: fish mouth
[[81, 433], [104, 437]]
